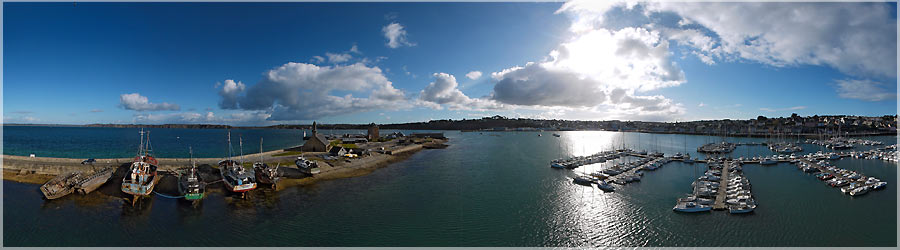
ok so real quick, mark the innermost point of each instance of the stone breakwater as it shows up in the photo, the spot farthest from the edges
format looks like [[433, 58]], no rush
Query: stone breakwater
[[41, 169]]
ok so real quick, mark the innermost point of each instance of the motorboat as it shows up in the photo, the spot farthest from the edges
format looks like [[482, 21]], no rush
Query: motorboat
[[602, 185], [691, 207]]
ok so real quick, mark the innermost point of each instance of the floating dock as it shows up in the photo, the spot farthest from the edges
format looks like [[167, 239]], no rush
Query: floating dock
[[723, 186]]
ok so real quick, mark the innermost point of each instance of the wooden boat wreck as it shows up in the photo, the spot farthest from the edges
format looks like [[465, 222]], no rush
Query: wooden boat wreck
[[93, 181], [142, 177], [61, 185]]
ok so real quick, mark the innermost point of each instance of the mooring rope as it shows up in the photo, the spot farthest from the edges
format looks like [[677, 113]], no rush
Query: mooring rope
[[170, 197]]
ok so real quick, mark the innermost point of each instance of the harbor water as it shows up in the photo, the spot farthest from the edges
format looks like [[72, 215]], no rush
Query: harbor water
[[485, 189]]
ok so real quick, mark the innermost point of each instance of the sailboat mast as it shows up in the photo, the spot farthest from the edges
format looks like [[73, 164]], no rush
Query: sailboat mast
[[141, 146]]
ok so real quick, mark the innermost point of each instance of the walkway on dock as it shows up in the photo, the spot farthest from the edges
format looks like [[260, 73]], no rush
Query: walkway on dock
[[723, 186]]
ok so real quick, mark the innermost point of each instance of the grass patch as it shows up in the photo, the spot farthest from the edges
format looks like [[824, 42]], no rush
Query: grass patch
[[288, 153], [349, 146]]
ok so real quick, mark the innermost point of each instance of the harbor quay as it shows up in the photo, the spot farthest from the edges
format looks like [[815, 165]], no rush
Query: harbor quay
[[290, 166]]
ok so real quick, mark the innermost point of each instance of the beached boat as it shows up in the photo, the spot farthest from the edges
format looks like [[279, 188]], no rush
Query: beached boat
[[141, 177], [237, 178], [190, 184], [265, 174], [307, 166], [93, 181], [60, 186]]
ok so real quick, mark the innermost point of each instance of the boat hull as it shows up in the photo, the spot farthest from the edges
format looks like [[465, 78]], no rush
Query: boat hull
[[95, 181], [59, 186], [139, 189]]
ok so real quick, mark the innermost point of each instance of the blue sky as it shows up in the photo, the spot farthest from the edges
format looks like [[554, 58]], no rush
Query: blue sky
[[269, 63]]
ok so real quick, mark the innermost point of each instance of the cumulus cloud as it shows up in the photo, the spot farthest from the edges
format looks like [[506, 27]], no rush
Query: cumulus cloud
[[396, 35], [597, 70], [866, 90], [229, 94], [137, 102], [300, 91], [855, 38], [444, 90], [473, 75]]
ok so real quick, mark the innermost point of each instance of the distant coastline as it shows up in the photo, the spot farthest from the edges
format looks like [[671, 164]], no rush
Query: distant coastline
[[831, 125]]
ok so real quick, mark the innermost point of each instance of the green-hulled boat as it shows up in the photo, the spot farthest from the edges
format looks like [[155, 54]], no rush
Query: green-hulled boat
[[190, 184]]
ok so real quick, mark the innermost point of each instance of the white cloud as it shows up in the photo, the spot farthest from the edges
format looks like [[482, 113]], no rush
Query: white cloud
[[317, 59], [701, 104], [600, 72], [473, 75], [229, 94], [866, 90], [396, 35], [445, 91], [338, 57], [855, 38], [355, 49], [136, 102], [240, 118], [300, 91]]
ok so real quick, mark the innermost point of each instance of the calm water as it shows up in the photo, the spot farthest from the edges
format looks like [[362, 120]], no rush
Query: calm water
[[491, 189], [83, 142]]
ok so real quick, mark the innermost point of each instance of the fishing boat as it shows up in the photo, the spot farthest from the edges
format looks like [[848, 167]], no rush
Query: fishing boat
[[190, 184], [307, 166], [264, 173], [556, 135], [141, 177], [93, 181], [237, 178], [60, 186]]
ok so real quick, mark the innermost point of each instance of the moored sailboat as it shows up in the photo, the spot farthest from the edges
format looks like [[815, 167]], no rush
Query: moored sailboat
[[237, 178]]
